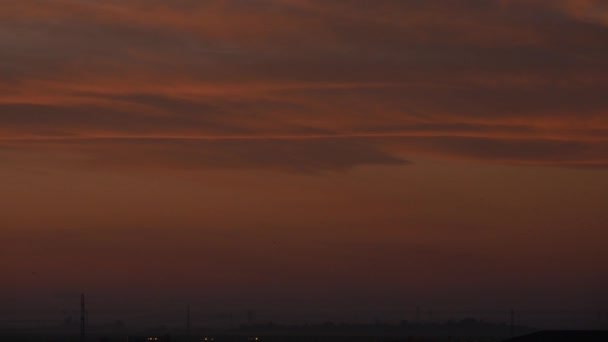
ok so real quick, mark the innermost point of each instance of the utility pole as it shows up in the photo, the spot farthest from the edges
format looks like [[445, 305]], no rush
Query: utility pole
[[512, 321], [250, 317], [83, 314], [188, 324]]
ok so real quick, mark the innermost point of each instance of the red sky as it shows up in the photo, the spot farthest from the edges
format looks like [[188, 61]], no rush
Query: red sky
[[305, 153]]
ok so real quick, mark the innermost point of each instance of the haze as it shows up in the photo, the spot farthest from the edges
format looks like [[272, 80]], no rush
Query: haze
[[304, 155]]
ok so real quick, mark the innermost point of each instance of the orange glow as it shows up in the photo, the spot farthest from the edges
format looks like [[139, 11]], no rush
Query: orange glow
[[304, 154]]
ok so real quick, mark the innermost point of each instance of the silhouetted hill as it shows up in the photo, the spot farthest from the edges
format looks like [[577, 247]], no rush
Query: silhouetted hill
[[563, 336]]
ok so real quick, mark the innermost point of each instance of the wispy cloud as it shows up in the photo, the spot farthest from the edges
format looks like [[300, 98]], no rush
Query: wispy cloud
[[306, 84]]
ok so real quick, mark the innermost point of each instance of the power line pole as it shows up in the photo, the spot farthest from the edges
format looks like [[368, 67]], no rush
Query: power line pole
[[512, 321], [188, 324], [82, 319]]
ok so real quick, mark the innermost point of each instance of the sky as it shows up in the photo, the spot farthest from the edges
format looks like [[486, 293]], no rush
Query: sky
[[321, 156]]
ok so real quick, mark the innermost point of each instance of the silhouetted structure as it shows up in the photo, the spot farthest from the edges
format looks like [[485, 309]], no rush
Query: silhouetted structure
[[188, 327], [512, 319], [82, 319], [250, 317]]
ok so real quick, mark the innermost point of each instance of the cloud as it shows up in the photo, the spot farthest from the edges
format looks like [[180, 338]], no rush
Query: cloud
[[514, 151], [306, 84], [290, 155]]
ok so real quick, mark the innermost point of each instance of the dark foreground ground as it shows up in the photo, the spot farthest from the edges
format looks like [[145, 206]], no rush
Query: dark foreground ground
[[543, 336], [564, 336], [459, 331], [234, 338]]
